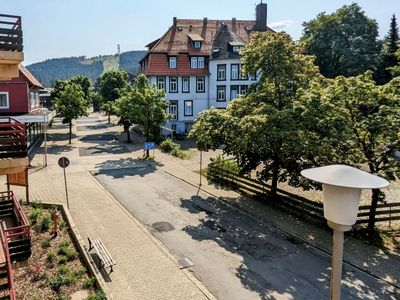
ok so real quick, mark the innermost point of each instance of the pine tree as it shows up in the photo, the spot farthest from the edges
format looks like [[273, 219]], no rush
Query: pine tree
[[388, 54]]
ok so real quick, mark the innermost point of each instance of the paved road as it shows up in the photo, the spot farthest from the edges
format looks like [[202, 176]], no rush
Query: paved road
[[234, 255]]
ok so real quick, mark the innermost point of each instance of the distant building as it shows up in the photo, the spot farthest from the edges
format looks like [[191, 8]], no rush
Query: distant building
[[45, 98], [197, 63]]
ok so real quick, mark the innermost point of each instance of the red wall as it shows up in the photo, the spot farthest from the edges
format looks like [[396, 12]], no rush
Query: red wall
[[17, 89]]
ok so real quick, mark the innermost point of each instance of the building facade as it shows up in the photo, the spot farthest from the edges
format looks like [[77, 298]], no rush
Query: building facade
[[197, 63]]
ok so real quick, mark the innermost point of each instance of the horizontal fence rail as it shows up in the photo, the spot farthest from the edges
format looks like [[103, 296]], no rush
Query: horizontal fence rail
[[13, 138], [298, 205]]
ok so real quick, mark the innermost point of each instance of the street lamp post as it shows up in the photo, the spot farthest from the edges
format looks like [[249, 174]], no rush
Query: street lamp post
[[44, 111], [341, 186]]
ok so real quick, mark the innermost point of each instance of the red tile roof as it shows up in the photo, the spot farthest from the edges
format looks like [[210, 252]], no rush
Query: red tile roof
[[28, 75], [158, 65]]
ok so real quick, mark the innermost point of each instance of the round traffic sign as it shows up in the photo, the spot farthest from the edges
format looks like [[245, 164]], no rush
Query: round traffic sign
[[63, 162]]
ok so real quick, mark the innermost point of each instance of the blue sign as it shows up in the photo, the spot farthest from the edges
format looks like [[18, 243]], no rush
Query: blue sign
[[149, 146]]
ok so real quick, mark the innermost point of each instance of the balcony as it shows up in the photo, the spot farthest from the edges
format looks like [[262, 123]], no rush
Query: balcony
[[11, 46]]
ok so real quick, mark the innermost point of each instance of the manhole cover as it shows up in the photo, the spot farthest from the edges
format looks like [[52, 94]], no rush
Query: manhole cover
[[162, 226]]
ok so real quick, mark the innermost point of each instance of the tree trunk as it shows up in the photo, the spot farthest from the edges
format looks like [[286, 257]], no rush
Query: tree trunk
[[372, 211], [109, 118], [128, 134], [274, 184], [70, 131]]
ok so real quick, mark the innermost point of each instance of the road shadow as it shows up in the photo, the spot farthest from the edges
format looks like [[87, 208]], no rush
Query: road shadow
[[125, 167], [102, 150], [59, 136], [272, 263], [55, 149]]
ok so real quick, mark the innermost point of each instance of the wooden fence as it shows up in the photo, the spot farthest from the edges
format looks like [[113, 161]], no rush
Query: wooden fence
[[298, 205]]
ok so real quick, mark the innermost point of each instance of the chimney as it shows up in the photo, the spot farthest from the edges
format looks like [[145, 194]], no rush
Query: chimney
[[261, 17], [174, 20], [205, 20], [234, 25]]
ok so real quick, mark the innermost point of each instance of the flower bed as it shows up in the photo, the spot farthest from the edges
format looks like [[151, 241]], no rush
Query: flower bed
[[55, 269]]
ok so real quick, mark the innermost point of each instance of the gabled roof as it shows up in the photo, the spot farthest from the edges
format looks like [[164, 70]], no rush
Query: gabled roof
[[177, 39], [28, 75]]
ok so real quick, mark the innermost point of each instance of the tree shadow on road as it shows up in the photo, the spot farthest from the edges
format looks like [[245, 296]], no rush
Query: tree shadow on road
[[272, 263], [125, 167]]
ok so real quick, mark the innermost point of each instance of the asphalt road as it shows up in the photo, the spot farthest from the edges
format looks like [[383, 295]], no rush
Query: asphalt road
[[234, 255]]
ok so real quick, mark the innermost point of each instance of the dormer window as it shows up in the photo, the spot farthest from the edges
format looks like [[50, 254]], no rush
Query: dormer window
[[236, 46], [197, 45], [196, 40]]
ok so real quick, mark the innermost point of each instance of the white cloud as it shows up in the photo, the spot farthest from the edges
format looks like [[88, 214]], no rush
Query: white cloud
[[281, 25]]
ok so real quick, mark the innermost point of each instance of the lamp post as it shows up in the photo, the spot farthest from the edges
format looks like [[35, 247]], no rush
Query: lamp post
[[341, 186], [44, 111]]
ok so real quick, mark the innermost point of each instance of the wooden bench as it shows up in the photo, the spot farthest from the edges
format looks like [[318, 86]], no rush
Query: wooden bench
[[106, 260]]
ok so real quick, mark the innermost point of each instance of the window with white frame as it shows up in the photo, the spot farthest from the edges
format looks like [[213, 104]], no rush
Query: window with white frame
[[221, 93], [197, 62], [188, 107], [185, 84], [4, 100], [173, 109], [172, 62], [243, 89], [173, 84], [200, 62], [200, 84], [188, 127], [221, 72], [161, 83], [235, 71], [197, 44], [234, 91]]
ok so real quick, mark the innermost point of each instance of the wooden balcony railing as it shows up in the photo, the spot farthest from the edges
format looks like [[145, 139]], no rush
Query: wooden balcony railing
[[10, 33], [13, 138]]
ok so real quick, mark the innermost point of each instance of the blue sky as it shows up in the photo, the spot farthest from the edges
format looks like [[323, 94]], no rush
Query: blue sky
[[62, 28]]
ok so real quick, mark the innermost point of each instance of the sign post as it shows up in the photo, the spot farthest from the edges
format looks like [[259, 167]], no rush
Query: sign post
[[150, 146], [63, 162]]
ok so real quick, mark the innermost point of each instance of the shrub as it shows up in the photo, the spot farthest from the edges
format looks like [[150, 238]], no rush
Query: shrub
[[63, 225], [33, 216], [99, 295], [69, 253], [56, 282], [63, 270], [89, 282], [80, 271], [51, 256], [227, 164], [45, 243], [64, 243], [37, 205], [69, 279], [177, 152], [62, 260], [168, 146], [43, 222]]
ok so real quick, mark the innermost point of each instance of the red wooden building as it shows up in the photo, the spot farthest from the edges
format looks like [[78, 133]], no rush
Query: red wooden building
[[19, 95]]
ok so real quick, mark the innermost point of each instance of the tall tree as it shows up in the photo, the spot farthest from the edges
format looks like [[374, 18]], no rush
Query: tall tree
[[71, 104], [83, 82], [372, 116], [110, 85], [144, 104], [263, 129], [344, 42], [387, 57]]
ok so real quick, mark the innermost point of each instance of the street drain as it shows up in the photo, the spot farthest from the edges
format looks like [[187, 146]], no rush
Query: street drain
[[162, 226], [185, 263]]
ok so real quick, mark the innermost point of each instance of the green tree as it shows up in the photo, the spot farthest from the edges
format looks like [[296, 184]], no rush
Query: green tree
[[262, 130], [344, 42], [372, 116], [83, 82], [144, 104], [110, 85], [126, 109], [71, 104], [387, 57], [58, 88]]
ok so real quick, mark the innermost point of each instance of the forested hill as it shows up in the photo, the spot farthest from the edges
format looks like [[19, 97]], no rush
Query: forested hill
[[48, 71]]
